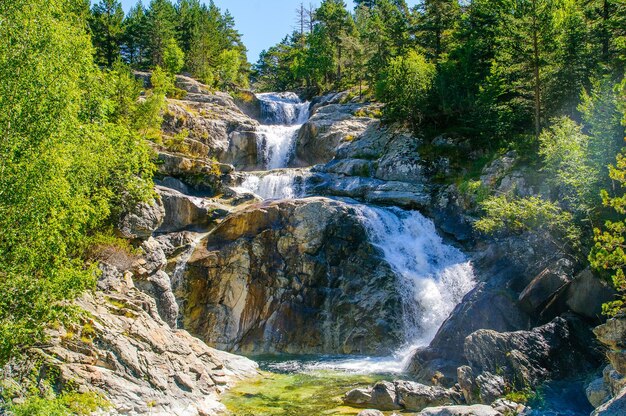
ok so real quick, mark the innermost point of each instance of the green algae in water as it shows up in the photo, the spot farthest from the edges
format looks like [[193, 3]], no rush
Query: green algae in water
[[297, 394]]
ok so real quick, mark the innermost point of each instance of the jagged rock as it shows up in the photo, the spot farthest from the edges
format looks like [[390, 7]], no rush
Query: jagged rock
[[474, 410], [142, 220], [496, 170], [153, 258], [275, 267], [586, 294], [613, 380], [467, 383], [597, 392], [528, 357], [141, 366], [508, 407], [187, 212], [490, 387], [613, 334], [242, 150], [546, 285]]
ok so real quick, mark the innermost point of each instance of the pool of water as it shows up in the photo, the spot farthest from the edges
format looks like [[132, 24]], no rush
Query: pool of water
[[307, 386], [315, 385]]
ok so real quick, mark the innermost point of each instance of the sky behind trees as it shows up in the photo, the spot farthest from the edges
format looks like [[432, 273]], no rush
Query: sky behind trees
[[263, 23]]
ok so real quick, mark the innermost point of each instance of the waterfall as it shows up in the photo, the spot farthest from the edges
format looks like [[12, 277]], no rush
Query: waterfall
[[433, 277], [276, 184], [183, 259], [282, 116]]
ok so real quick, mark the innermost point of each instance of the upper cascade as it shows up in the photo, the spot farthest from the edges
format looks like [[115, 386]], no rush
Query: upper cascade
[[284, 108]]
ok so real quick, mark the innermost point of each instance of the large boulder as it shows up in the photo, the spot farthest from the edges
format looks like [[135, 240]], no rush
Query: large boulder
[[401, 395], [527, 358], [613, 335], [586, 294], [274, 268], [329, 128], [184, 212]]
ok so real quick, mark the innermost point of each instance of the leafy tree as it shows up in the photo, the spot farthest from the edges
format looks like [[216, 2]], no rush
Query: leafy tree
[[173, 57], [405, 87], [69, 163]]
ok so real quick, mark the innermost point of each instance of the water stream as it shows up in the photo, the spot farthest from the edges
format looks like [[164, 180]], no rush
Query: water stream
[[432, 277]]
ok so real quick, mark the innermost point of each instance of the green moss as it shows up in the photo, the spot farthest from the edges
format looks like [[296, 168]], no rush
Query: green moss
[[308, 394]]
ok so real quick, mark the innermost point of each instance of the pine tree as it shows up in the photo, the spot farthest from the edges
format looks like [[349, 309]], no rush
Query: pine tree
[[106, 30]]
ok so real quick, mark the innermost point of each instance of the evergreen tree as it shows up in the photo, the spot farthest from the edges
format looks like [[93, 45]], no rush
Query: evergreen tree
[[107, 30]]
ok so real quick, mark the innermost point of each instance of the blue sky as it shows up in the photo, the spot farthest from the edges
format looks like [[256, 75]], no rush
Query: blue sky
[[262, 23]]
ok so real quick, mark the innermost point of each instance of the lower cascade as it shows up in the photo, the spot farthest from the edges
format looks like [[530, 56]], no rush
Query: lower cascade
[[434, 276]]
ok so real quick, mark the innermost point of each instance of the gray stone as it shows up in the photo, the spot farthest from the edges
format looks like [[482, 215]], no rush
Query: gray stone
[[415, 396], [384, 396], [546, 285], [370, 412], [474, 410], [614, 407], [272, 268], [597, 392], [490, 387], [586, 294], [142, 220], [465, 377]]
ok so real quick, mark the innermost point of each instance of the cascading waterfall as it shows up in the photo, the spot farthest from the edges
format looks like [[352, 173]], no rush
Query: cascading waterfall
[[282, 116], [433, 277], [279, 184]]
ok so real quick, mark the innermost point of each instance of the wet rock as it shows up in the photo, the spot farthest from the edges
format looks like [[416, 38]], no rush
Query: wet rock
[[142, 220], [474, 410], [613, 380], [275, 267]]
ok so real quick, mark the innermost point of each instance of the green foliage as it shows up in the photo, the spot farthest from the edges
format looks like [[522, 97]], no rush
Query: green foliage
[[66, 404], [69, 163], [405, 86], [564, 149], [173, 57], [528, 214]]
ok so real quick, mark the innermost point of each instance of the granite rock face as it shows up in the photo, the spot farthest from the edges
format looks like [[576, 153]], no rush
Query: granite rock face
[[123, 350], [278, 266]]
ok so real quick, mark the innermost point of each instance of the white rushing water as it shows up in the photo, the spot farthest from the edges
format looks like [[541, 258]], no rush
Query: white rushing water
[[432, 276], [282, 184], [282, 116]]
